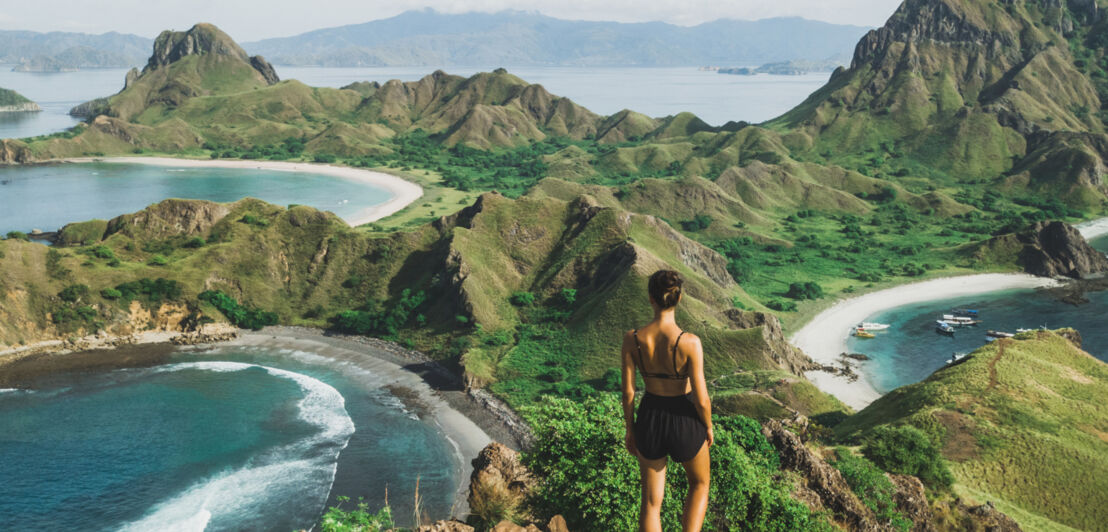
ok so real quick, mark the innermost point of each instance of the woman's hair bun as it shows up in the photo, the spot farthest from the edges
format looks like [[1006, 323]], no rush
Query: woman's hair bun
[[665, 287]]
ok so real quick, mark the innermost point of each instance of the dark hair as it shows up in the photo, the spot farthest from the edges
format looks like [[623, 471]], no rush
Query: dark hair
[[665, 287]]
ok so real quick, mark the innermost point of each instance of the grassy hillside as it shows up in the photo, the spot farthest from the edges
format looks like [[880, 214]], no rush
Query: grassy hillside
[[1021, 421]]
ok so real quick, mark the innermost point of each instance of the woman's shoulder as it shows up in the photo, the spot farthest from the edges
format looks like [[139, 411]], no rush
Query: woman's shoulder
[[689, 340]]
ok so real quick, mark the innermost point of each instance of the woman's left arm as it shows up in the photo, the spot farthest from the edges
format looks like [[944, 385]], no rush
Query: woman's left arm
[[627, 374], [699, 386]]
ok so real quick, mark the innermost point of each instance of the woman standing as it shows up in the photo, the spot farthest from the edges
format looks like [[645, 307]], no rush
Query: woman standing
[[674, 417]]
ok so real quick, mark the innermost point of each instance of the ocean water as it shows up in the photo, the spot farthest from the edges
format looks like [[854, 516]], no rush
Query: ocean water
[[715, 98], [56, 93], [222, 440], [48, 197], [911, 350]]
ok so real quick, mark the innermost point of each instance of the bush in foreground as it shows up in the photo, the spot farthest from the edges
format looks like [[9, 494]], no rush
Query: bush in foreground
[[587, 476]]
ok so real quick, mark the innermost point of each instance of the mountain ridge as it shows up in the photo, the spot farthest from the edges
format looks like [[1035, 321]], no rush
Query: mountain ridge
[[515, 38]]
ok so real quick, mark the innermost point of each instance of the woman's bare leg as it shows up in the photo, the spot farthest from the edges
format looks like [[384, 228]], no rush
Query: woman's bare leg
[[698, 471], [653, 490]]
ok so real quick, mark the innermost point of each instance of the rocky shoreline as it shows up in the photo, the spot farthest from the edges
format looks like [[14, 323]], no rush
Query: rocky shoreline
[[29, 107]]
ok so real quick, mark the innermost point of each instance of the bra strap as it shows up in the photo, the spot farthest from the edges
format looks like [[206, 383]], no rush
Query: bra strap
[[675, 372]]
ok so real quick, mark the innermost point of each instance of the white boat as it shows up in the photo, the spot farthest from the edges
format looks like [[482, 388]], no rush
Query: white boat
[[873, 326], [951, 318]]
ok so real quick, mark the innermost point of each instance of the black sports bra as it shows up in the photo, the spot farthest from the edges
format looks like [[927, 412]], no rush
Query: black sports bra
[[642, 367]]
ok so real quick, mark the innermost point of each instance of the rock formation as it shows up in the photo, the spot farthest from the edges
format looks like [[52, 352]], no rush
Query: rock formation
[[1057, 249], [1048, 249], [172, 46]]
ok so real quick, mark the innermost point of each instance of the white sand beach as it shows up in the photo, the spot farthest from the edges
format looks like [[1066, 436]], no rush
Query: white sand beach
[[824, 338], [403, 192]]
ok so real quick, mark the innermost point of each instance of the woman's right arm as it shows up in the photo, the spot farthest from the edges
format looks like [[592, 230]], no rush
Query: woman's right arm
[[699, 386]]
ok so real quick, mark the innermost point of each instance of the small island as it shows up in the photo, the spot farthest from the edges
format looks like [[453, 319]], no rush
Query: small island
[[13, 102], [786, 68]]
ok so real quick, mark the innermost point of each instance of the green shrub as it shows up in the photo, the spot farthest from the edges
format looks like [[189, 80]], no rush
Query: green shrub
[[111, 293], [54, 266], [781, 305], [238, 314], [588, 477], [325, 158], [150, 290], [569, 296], [375, 318], [357, 520], [74, 293], [17, 235], [256, 221], [101, 252], [522, 299], [805, 290], [908, 451], [698, 223], [194, 242], [158, 260], [870, 484]]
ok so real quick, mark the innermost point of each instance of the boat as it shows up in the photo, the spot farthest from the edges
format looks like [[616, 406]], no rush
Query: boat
[[869, 326], [967, 312], [862, 333], [966, 320], [955, 357], [943, 327], [998, 334]]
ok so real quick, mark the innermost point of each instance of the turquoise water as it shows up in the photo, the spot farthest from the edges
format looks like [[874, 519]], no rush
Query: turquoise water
[[222, 440], [48, 197], [911, 350]]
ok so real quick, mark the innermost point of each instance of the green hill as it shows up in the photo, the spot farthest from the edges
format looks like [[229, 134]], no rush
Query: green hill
[[1022, 422], [9, 97]]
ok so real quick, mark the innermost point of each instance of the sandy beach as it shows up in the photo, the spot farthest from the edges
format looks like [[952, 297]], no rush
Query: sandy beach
[[402, 192], [824, 338]]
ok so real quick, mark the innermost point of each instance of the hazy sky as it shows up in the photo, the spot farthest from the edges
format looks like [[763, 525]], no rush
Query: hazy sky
[[247, 20]]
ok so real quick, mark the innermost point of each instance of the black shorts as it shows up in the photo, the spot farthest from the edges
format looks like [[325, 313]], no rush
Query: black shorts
[[669, 426]]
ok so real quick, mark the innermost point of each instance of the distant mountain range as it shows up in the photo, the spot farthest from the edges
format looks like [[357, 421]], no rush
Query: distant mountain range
[[60, 51], [515, 38]]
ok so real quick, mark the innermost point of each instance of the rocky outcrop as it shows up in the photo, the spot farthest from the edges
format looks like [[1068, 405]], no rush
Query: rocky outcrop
[[172, 46], [14, 152], [779, 349], [911, 501], [1057, 249], [819, 480], [171, 217], [497, 464], [265, 69], [90, 109]]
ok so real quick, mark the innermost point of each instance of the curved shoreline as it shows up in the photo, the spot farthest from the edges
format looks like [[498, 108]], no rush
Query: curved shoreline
[[436, 407], [437, 396], [824, 337], [403, 192]]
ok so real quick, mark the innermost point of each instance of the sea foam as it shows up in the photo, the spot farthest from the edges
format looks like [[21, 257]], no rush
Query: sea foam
[[283, 478]]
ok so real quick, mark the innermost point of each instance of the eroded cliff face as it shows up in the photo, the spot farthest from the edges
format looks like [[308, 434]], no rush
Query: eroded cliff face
[[14, 152]]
